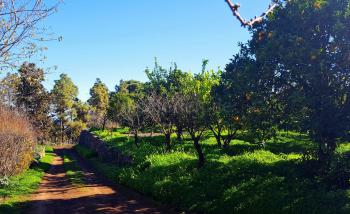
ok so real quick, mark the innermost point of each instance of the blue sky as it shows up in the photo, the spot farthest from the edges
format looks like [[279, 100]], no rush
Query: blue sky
[[118, 39]]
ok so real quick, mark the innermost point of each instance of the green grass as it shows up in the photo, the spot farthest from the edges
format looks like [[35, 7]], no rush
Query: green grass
[[73, 171], [246, 178], [343, 148], [22, 185]]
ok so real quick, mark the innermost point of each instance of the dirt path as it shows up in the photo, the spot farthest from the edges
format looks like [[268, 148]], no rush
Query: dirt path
[[57, 195]]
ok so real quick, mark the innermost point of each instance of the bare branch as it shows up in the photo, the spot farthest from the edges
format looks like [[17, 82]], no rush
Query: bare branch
[[19, 31], [234, 8]]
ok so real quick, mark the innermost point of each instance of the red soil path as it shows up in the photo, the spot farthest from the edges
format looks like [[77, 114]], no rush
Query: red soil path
[[57, 195]]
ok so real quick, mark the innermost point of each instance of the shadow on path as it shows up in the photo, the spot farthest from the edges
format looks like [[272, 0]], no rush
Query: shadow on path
[[57, 195]]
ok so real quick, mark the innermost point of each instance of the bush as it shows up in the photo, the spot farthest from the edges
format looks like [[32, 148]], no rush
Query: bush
[[74, 130], [13, 195], [16, 142]]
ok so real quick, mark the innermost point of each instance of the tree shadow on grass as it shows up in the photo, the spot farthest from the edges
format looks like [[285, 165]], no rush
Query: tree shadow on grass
[[125, 140], [241, 185], [276, 146], [290, 144], [154, 140], [241, 148]]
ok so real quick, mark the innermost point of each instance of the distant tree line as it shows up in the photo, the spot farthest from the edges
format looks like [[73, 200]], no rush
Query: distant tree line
[[57, 115], [30, 115]]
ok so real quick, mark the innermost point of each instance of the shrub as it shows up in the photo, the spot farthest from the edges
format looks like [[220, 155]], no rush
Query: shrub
[[14, 195], [16, 142], [74, 129]]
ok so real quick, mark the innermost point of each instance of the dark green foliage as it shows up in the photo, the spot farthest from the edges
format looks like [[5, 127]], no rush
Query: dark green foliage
[[33, 99], [165, 81], [130, 87], [64, 95], [158, 79], [241, 95], [99, 102], [296, 71], [82, 111], [126, 107]]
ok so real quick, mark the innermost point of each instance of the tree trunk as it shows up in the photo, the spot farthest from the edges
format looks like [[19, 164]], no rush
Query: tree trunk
[[179, 132], [62, 134], [218, 140], [136, 136], [227, 141], [320, 154], [326, 148], [168, 140], [217, 136], [226, 145], [201, 158], [104, 123], [331, 145]]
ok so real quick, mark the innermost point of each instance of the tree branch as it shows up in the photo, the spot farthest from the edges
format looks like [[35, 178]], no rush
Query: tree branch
[[19, 29], [234, 8]]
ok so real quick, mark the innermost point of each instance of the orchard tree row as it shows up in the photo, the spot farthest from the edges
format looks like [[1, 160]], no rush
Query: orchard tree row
[[293, 74]]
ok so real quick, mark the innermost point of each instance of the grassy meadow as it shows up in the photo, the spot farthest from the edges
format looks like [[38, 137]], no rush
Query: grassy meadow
[[246, 178]]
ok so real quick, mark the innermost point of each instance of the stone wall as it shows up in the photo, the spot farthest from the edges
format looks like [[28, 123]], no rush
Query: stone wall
[[104, 152]]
